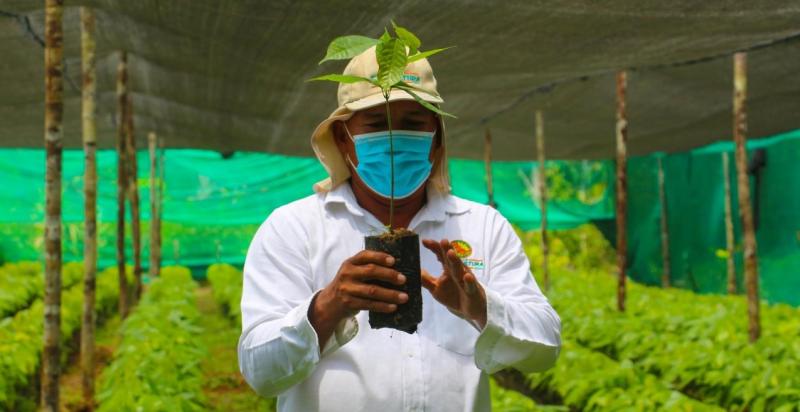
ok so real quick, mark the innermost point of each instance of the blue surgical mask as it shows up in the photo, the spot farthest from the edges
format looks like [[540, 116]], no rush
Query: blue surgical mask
[[411, 164]]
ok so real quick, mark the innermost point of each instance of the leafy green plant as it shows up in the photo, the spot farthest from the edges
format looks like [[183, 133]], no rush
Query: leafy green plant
[[157, 365], [696, 344], [226, 288], [393, 53], [22, 283], [21, 337], [589, 381]]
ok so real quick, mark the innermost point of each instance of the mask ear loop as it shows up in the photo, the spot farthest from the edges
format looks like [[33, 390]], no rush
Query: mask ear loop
[[347, 156], [348, 132]]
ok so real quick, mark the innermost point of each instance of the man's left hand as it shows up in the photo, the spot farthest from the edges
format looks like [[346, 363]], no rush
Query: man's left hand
[[457, 287]]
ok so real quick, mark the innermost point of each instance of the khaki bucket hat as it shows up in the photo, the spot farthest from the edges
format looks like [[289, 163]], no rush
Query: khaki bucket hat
[[362, 95]]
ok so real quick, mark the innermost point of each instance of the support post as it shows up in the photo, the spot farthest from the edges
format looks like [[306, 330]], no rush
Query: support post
[[743, 187], [154, 258], [487, 160], [122, 180], [160, 200], [729, 239], [542, 197], [133, 199], [666, 275], [622, 188], [88, 112], [53, 112]]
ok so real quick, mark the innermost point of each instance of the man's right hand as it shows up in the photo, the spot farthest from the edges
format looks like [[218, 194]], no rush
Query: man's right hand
[[350, 292]]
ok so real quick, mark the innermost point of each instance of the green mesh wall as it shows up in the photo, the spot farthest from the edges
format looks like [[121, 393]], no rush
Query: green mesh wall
[[213, 206], [695, 209]]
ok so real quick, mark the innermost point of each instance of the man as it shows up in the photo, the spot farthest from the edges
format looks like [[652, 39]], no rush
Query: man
[[306, 336]]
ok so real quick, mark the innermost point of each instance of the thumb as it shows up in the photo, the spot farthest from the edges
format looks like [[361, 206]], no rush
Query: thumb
[[428, 281]]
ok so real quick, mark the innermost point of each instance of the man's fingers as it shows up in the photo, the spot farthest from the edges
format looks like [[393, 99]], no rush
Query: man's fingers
[[371, 271], [470, 283], [370, 256], [375, 292], [357, 304], [436, 248], [456, 267], [428, 281]]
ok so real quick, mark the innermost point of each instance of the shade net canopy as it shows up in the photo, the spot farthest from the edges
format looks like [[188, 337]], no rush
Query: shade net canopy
[[212, 205], [695, 199], [231, 75]]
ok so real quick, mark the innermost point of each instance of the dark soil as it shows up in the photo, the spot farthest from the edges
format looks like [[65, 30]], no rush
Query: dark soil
[[403, 245]]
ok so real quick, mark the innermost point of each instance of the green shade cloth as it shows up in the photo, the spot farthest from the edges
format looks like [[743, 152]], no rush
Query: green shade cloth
[[213, 206], [695, 210]]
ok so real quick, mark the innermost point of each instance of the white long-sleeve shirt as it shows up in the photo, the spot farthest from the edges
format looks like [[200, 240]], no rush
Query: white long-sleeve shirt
[[298, 250]]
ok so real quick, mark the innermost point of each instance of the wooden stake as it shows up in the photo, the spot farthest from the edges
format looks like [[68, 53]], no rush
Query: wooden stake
[[122, 103], [154, 258], [743, 186], [487, 160], [88, 112], [622, 188], [542, 196], [160, 201], [133, 198], [667, 273], [729, 240], [53, 112]]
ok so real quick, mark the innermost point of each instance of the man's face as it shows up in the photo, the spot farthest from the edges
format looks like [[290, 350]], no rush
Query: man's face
[[406, 115]]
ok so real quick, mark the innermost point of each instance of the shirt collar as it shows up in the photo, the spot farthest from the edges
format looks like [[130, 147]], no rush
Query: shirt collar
[[436, 209]]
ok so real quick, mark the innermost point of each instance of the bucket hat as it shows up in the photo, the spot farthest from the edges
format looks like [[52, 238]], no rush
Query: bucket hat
[[353, 97]]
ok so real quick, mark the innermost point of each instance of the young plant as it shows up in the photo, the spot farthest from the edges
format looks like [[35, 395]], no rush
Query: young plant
[[393, 53]]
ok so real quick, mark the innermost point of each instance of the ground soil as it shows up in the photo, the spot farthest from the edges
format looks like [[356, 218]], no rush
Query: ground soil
[[224, 387], [106, 340]]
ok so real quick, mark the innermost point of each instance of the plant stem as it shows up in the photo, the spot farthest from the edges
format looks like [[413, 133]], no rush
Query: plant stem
[[391, 162]]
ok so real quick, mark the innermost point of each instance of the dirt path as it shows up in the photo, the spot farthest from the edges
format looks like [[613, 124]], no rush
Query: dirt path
[[224, 386], [106, 338]]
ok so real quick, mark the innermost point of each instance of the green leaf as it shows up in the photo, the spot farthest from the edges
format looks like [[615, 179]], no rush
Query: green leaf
[[341, 78], [407, 37], [347, 47], [385, 36], [422, 55], [392, 60], [427, 105]]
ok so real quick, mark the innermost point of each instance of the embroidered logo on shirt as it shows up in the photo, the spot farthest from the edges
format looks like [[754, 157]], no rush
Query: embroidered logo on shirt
[[463, 251], [462, 248], [473, 263]]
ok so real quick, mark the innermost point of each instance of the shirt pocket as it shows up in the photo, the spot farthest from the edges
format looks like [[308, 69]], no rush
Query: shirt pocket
[[443, 327], [452, 332]]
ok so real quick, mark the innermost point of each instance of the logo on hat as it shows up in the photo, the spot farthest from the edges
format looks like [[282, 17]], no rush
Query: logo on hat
[[408, 77]]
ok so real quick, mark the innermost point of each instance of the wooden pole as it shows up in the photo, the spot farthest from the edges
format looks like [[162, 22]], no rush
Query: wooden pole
[[122, 103], [160, 201], [542, 197], [665, 257], [53, 112], [487, 160], [743, 186], [622, 188], [88, 112], [133, 198], [154, 261], [729, 240]]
